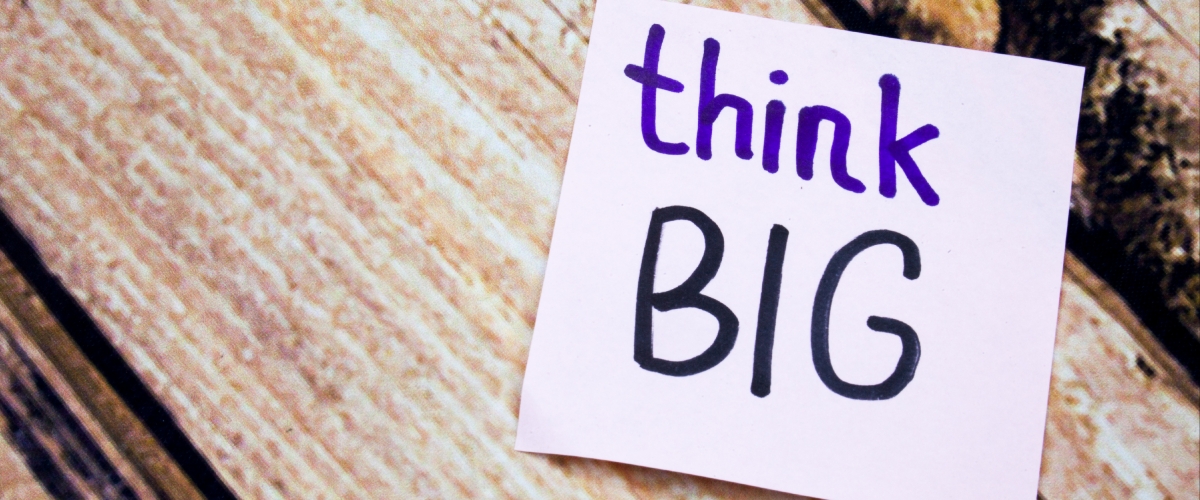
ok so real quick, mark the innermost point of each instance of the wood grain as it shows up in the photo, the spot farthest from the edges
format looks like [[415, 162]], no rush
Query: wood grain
[[16, 481], [1123, 420], [57, 402], [317, 230]]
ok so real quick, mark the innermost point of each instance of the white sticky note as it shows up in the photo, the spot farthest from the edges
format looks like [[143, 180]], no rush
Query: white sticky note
[[915, 222]]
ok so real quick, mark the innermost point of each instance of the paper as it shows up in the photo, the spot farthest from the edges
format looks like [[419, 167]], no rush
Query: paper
[[804, 259]]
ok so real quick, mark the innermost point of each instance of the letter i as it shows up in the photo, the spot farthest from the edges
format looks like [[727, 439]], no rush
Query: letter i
[[775, 113], [768, 307]]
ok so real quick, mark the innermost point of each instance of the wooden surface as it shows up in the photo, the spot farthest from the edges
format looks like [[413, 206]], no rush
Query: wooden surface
[[1123, 421], [317, 231], [16, 482], [60, 411]]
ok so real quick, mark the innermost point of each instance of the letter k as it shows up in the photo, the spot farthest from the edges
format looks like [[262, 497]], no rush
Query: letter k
[[893, 151]]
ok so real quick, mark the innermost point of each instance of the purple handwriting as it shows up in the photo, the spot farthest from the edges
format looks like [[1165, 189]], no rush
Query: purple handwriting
[[892, 151]]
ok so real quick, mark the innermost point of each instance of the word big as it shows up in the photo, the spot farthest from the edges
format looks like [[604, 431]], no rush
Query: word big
[[891, 149], [687, 294]]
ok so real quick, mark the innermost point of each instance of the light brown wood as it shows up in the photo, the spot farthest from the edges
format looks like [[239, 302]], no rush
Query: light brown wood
[[317, 231], [16, 481], [33, 349], [1121, 423]]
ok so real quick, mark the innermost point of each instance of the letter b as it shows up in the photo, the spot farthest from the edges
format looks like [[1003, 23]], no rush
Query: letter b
[[687, 294]]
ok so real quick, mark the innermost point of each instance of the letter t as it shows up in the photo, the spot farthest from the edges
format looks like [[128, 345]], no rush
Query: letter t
[[651, 81]]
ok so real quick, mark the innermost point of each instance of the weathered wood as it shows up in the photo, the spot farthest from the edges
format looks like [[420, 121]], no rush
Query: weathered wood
[[16, 481], [1139, 136], [1123, 420], [62, 415]]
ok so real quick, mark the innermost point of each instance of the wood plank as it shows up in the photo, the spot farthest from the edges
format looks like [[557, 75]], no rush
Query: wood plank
[[1139, 143], [62, 415], [16, 480], [1122, 423], [1180, 18]]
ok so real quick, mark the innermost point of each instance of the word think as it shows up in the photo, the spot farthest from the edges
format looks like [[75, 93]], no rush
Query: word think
[[892, 151]]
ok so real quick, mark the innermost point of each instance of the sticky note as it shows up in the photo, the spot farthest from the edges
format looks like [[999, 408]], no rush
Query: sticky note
[[804, 259]]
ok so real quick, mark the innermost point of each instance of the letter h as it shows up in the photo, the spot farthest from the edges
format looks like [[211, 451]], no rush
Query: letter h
[[711, 107]]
